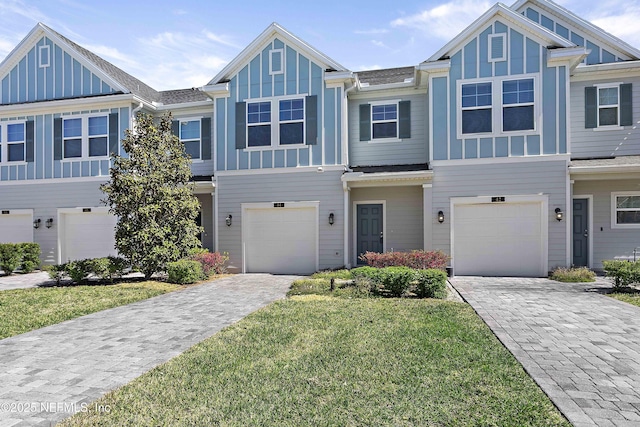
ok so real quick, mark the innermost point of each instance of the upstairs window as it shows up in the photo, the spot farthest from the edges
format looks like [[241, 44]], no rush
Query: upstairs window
[[292, 121], [625, 211], [72, 138], [384, 121], [608, 106], [477, 108], [85, 137], [16, 142], [259, 124], [98, 136], [190, 137], [517, 105]]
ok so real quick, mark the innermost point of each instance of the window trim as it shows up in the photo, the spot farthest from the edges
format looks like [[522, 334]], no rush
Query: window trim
[[372, 104], [600, 127], [4, 143], [84, 137], [275, 122], [502, 58], [498, 105], [614, 209], [41, 49], [182, 141], [271, 52]]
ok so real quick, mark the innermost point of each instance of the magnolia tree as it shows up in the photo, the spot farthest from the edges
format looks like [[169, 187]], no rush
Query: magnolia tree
[[152, 197]]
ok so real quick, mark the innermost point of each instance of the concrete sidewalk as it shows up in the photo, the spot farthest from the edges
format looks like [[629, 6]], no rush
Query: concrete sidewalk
[[47, 374], [581, 347]]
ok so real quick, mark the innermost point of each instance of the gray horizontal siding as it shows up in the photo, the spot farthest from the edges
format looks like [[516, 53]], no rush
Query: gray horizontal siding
[[403, 216], [407, 151], [508, 179], [608, 243], [45, 200], [592, 143], [324, 187]]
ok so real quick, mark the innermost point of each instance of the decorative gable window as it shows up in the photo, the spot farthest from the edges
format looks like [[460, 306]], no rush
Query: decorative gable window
[[517, 105], [190, 137], [497, 47], [275, 61], [625, 210], [85, 137], [608, 106], [477, 108], [385, 121], [44, 56]]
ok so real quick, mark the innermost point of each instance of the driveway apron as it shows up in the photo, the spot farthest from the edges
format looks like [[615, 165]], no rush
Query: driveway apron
[[48, 374], [581, 347]]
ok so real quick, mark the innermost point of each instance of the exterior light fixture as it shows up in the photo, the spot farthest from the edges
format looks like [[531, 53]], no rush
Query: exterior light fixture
[[440, 217], [331, 218], [559, 214], [49, 223], [228, 220], [36, 223]]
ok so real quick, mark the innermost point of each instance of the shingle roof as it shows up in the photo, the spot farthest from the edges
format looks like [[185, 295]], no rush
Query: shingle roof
[[391, 168], [386, 76], [609, 161], [181, 96]]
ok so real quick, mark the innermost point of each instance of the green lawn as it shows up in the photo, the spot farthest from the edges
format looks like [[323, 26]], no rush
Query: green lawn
[[632, 296], [23, 310], [322, 361]]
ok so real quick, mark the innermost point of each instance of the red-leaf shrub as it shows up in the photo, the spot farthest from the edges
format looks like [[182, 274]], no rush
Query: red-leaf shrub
[[420, 260], [212, 262]]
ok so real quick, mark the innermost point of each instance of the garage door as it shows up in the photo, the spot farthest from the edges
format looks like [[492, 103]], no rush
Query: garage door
[[16, 226], [280, 240], [499, 239], [87, 235]]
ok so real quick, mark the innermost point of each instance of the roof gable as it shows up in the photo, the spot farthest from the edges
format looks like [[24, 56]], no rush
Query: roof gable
[[273, 32], [499, 10]]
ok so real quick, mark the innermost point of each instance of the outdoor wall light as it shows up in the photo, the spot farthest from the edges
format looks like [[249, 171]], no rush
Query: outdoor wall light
[[559, 214], [331, 218], [440, 217], [49, 223], [36, 223], [228, 220]]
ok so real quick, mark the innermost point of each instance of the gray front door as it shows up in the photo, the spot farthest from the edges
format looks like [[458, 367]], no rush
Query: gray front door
[[370, 236], [580, 233]]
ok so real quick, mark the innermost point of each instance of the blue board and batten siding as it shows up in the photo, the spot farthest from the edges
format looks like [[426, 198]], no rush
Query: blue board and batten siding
[[44, 166], [63, 77], [525, 58], [300, 76]]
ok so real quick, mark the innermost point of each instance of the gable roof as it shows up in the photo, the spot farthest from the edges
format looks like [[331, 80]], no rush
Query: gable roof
[[586, 26], [272, 31], [114, 76], [503, 11]]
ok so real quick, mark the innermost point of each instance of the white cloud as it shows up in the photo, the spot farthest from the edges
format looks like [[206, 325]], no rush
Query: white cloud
[[220, 39], [445, 21]]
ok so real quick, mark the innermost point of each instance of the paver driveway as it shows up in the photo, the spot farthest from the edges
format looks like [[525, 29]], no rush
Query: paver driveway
[[581, 347], [47, 374]]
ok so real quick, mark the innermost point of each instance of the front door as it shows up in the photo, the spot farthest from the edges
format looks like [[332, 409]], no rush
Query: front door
[[580, 233], [370, 236]]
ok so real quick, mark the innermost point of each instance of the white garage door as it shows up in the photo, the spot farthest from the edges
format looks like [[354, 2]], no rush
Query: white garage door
[[280, 240], [499, 239], [16, 227], [87, 235]]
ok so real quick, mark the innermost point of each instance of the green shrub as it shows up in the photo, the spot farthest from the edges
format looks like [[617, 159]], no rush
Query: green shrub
[[310, 286], [107, 268], [117, 266], [30, 257], [56, 272], [79, 270], [622, 272], [332, 274], [395, 281], [430, 283], [10, 257], [184, 272], [573, 275]]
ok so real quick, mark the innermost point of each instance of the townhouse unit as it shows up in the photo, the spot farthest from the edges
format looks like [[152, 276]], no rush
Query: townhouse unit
[[513, 149]]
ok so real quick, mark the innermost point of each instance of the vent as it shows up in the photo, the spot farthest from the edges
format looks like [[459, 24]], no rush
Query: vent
[[497, 47]]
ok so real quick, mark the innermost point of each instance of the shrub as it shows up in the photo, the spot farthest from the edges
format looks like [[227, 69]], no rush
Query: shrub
[[430, 283], [573, 275], [79, 270], [10, 257], [211, 262], [415, 259], [332, 274], [184, 272], [30, 257], [395, 280], [108, 268], [622, 272], [56, 272], [117, 266]]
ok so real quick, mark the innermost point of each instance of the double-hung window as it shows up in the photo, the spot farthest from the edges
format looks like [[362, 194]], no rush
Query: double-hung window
[[608, 106], [477, 111], [625, 210], [15, 142], [517, 105], [259, 124], [72, 138], [85, 137], [384, 121], [291, 121], [190, 137], [98, 136]]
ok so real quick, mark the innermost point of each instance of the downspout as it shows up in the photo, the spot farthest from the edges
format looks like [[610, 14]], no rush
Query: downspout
[[132, 118], [345, 159]]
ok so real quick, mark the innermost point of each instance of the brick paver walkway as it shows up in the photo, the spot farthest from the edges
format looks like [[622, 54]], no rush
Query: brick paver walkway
[[47, 374], [581, 347]]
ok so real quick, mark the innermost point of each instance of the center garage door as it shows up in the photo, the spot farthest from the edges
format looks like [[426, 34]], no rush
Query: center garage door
[[282, 239], [88, 234], [16, 226], [499, 239]]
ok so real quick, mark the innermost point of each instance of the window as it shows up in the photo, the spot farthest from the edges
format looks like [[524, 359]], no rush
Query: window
[[476, 108], [291, 121], [44, 58], [275, 61], [15, 142], [259, 124], [384, 121], [72, 138], [98, 136], [625, 210], [608, 106], [497, 51], [190, 137], [517, 105], [85, 137]]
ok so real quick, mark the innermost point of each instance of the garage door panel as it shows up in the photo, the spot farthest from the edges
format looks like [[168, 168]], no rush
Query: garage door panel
[[16, 228], [88, 235]]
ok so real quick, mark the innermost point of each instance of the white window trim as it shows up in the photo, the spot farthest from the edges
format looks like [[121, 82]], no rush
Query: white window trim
[[4, 143], [271, 52], [503, 36], [41, 49], [497, 106], [614, 209], [85, 137], [397, 120], [606, 86], [191, 119], [275, 122]]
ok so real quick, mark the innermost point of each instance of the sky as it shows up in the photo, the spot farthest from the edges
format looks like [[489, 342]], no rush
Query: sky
[[180, 44]]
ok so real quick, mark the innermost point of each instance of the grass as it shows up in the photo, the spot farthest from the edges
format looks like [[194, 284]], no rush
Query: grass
[[573, 275], [23, 310], [628, 295], [322, 361]]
